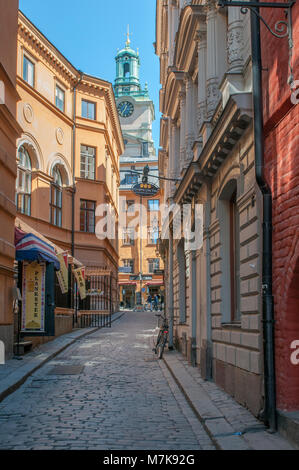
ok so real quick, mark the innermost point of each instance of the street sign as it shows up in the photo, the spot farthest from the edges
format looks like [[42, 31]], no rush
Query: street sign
[[144, 277], [145, 189], [125, 269]]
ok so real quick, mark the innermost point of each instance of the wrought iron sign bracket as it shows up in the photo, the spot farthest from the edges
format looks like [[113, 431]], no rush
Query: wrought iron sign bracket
[[282, 28]]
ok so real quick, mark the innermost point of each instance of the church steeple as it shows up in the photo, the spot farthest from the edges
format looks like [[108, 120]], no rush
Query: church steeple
[[127, 82]]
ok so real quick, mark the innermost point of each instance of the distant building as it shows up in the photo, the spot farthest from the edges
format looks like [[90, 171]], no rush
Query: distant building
[[138, 258]]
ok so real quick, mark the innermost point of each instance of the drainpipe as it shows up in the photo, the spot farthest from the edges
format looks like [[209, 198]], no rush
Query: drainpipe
[[170, 290], [208, 365], [73, 162], [269, 412], [194, 309]]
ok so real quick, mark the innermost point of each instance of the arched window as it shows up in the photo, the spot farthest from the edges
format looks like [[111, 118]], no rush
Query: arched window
[[56, 198], [23, 191], [126, 69], [228, 214]]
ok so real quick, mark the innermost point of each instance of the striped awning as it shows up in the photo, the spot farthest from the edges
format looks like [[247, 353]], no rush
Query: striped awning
[[32, 248], [127, 283]]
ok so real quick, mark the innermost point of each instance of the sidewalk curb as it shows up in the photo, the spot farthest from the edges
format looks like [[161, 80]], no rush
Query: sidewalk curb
[[216, 426], [13, 384]]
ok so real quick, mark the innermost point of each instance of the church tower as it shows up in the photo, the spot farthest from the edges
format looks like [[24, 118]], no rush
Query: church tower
[[138, 259], [135, 108]]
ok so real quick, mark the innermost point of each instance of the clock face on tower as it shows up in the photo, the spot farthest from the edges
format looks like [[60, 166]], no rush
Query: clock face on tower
[[125, 109]]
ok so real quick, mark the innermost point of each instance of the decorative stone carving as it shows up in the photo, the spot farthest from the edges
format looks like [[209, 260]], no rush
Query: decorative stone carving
[[59, 135], [189, 150], [201, 114], [28, 113], [235, 46], [213, 97]]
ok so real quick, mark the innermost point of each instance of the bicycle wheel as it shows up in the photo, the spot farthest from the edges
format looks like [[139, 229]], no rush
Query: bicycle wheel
[[157, 342], [161, 346]]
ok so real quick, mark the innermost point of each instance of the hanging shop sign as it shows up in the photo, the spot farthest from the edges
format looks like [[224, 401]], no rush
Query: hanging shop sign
[[33, 293], [79, 274], [62, 274], [145, 189]]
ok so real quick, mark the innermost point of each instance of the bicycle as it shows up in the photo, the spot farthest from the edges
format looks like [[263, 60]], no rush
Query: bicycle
[[162, 337]]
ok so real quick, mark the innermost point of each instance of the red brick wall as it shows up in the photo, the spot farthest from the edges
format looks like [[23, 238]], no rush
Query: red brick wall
[[281, 120]]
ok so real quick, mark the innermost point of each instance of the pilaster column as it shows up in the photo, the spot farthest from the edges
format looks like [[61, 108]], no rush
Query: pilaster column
[[173, 154], [182, 97], [213, 94], [202, 77], [235, 41], [189, 129]]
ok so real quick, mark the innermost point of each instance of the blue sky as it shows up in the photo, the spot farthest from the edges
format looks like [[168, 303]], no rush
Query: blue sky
[[89, 32]]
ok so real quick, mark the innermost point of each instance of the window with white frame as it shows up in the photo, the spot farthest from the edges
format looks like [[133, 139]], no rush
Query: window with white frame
[[153, 263], [128, 236], [56, 198], [153, 205], [28, 71], [88, 109], [129, 263], [23, 189], [87, 216], [152, 235], [87, 168], [59, 98]]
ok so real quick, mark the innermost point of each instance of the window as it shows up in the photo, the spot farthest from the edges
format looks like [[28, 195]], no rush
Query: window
[[88, 109], [28, 71], [153, 235], [153, 204], [87, 216], [131, 179], [153, 263], [23, 191], [130, 205], [234, 263], [126, 69], [228, 214], [59, 98], [128, 236], [145, 149], [129, 263], [87, 169], [56, 198]]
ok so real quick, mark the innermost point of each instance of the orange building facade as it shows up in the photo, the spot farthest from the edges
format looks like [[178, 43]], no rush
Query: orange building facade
[[9, 132], [67, 155]]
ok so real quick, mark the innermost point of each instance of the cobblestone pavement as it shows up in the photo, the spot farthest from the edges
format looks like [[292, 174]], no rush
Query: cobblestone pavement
[[117, 395]]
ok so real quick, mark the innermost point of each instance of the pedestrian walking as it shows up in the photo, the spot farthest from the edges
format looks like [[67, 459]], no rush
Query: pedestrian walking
[[156, 302], [162, 302], [149, 302]]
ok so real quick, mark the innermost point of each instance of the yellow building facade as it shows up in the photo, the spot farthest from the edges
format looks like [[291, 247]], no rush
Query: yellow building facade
[[9, 132], [67, 155]]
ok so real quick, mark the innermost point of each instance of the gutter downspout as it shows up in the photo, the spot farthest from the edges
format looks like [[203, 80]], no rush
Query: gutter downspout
[[73, 162], [194, 308], [170, 290], [269, 412], [209, 351]]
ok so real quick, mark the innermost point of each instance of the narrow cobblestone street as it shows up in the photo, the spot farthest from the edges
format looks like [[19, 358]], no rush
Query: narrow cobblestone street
[[117, 395]]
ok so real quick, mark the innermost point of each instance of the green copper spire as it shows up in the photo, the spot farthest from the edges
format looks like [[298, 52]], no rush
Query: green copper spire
[[127, 81]]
